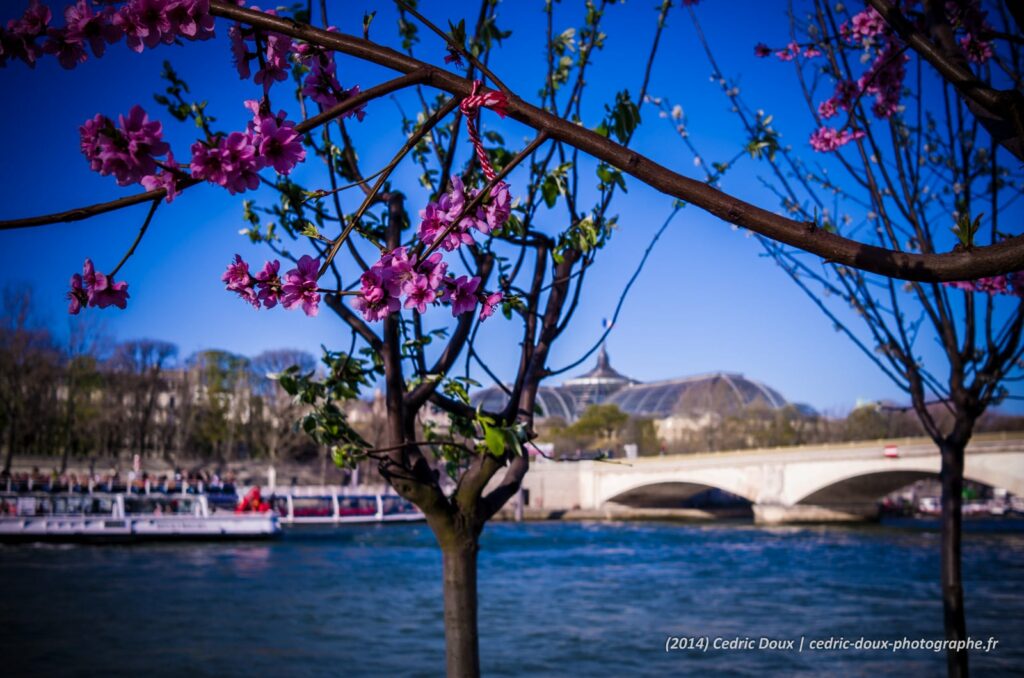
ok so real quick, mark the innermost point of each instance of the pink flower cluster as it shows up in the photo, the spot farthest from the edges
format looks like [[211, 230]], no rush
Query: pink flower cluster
[[1011, 283], [321, 83], [92, 288], [234, 161], [864, 27], [398, 274], [826, 139], [267, 288], [790, 52], [883, 79], [967, 16], [276, 48], [128, 150], [143, 23], [437, 217]]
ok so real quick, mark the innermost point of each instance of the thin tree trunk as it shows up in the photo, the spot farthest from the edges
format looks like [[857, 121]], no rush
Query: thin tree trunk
[[952, 576], [11, 435], [460, 626]]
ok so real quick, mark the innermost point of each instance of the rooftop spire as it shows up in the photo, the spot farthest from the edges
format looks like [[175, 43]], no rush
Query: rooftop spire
[[602, 358]]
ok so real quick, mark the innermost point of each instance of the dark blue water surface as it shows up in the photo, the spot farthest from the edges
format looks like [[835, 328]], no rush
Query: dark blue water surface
[[556, 599]]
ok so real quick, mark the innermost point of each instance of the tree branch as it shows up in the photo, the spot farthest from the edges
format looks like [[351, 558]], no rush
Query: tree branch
[[997, 259]]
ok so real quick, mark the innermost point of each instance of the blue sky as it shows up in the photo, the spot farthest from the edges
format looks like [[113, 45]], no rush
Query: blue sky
[[706, 301]]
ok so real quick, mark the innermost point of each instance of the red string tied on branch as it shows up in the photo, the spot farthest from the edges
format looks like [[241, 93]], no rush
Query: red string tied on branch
[[470, 107]]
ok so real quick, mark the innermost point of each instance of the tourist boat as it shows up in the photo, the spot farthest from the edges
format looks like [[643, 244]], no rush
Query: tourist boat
[[342, 509], [125, 517]]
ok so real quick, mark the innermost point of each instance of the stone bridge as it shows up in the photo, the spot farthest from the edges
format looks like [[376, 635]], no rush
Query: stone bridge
[[795, 484]]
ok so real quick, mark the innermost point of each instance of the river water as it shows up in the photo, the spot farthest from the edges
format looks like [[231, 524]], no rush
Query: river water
[[556, 599]]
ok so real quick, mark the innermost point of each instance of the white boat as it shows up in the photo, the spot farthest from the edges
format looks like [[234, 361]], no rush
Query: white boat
[[342, 509], [124, 517]]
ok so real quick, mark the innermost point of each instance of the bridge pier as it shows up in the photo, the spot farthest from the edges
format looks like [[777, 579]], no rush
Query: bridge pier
[[779, 514]]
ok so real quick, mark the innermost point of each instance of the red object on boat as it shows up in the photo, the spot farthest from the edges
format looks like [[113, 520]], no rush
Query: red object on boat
[[252, 501]]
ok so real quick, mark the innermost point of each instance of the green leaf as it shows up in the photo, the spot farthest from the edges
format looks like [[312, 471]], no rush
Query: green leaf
[[966, 228], [494, 439], [549, 191]]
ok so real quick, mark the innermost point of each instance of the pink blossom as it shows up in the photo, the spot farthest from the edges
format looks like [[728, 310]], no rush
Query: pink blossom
[[300, 286], [127, 151], [85, 25], [207, 163], [977, 51], [67, 49], [791, 51], [488, 303], [191, 19], [240, 163], [828, 139], [864, 26], [279, 144], [322, 85], [238, 280], [395, 268], [375, 301], [109, 294], [419, 291], [438, 216], [77, 297], [1011, 283], [102, 290], [827, 108], [434, 268], [274, 67], [884, 79], [497, 210], [269, 283], [812, 52], [461, 294], [34, 21], [146, 23], [231, 163], [239, 51], [18, 40], [166, 179]]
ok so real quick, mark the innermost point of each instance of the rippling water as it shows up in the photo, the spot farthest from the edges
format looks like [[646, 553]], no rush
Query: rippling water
[[590, 599]]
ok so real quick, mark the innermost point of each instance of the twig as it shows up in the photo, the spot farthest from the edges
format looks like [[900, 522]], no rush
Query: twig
[[138, 238]]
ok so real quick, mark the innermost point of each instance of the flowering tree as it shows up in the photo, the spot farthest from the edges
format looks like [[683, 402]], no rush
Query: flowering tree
[[918, 140], [472, 250]]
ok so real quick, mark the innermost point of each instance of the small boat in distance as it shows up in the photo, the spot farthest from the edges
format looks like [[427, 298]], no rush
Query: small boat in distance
[[96, 516]]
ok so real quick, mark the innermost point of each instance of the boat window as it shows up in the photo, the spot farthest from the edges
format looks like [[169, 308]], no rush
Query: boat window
[[357, 506], [155, 505], [310, 507]]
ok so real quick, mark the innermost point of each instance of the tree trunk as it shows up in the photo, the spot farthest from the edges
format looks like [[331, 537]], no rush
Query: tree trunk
[[11, 436], [952, 476], [460, 627]]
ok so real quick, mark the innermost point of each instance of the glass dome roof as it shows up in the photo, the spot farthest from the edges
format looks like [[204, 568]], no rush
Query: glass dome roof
[[720, 393], [553, 402]]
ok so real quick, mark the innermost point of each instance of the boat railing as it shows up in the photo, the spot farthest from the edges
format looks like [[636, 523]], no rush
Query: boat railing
[[336, 508]]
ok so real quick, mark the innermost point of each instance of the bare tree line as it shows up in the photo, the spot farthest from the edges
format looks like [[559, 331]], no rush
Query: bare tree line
[[86, 396]]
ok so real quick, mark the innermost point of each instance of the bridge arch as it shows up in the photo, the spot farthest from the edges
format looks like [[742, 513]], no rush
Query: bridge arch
[[869, 487], [668, 494]]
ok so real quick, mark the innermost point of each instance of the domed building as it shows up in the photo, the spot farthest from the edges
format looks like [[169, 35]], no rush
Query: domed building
[[676, 405]]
